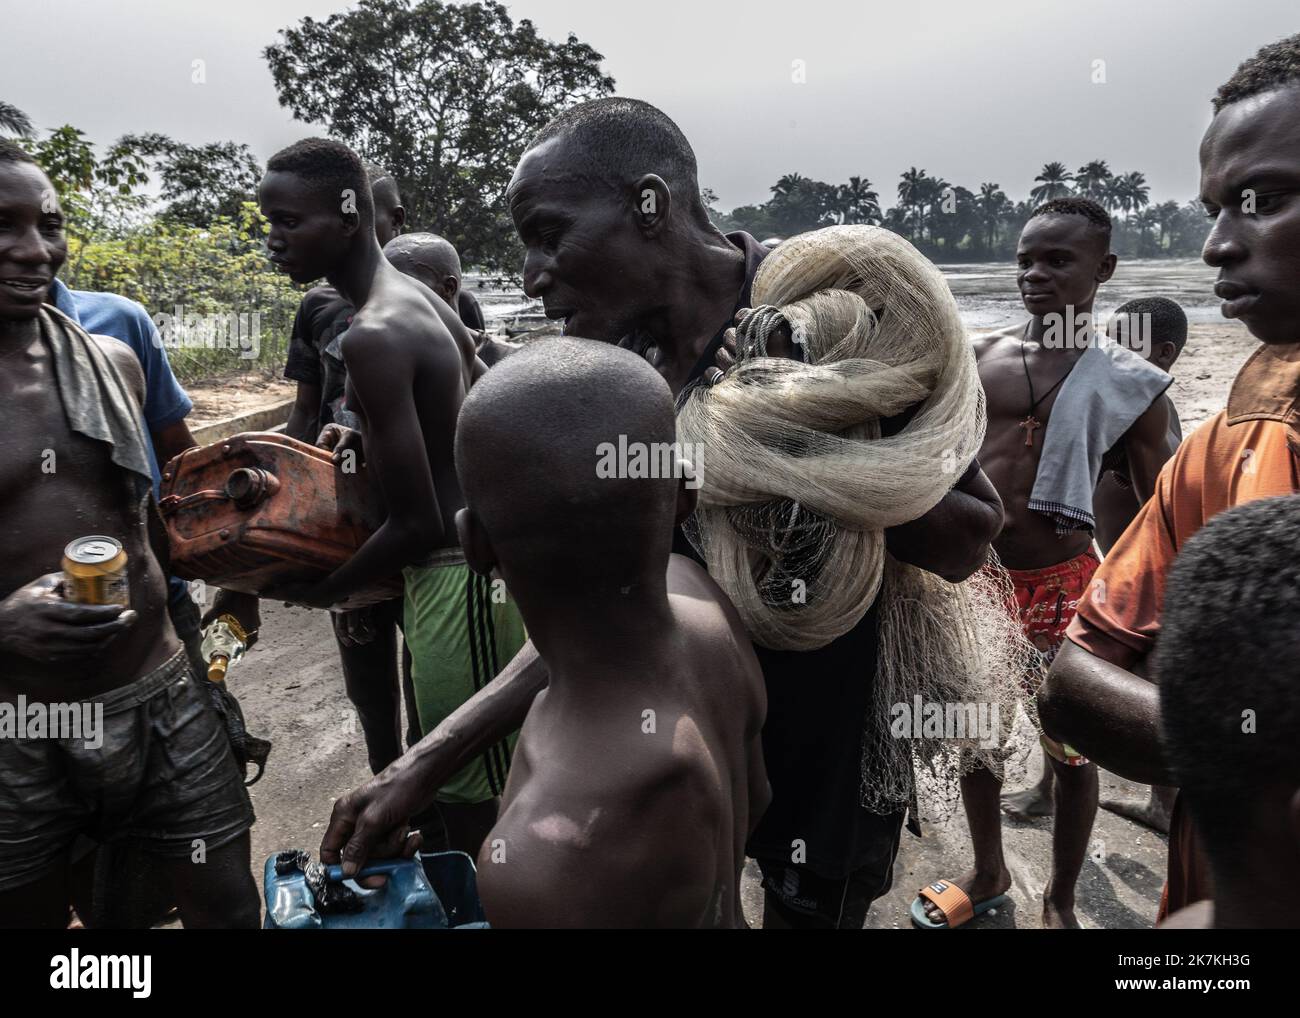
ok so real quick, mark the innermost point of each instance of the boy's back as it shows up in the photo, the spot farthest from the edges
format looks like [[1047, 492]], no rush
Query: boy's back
[[638, 773], [609, 819]]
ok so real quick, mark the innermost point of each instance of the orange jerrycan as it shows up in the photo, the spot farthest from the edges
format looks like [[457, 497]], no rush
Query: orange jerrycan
[[261, 509]]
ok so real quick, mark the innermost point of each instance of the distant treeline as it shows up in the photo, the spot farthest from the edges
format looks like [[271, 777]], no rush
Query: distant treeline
[[951, 223]]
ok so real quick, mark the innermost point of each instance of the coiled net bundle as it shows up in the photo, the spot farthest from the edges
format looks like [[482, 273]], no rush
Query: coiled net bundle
[[798, 486]]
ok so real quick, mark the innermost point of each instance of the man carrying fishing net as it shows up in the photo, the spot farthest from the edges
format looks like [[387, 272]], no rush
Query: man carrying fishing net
[[856, 402]]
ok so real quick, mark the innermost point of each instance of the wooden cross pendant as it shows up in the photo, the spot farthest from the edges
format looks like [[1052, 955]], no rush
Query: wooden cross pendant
[[1030, 424]]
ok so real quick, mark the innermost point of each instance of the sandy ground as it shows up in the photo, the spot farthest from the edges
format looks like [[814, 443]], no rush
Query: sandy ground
[[292, 692], [227, 397]]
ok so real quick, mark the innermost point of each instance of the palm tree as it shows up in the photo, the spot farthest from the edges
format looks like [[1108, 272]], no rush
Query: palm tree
[[787, 185], [911, 192], [1090, 178], [990, 204], [14, 121], [1136, 185], [932, 196], [1166, 214], [1145, 222], [858, 202], [1115, 195], [1054, 183]]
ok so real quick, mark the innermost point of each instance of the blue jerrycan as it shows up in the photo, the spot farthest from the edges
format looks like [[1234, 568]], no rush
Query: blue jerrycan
[[434, 891]]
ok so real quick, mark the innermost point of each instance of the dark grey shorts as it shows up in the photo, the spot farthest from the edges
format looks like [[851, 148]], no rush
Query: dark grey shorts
[[164, 775]]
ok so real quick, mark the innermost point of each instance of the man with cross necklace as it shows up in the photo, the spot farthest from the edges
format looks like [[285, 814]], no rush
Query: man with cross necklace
[[1063, 256]]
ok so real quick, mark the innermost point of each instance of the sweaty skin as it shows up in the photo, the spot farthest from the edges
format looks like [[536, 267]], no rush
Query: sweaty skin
[[663, 282], [1109, 710], [50, 649], [1055, 269], [658, 840], [407, 376]]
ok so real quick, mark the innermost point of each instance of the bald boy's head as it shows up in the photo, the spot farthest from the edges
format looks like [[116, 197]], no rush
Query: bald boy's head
[[430, 259], [533, 453]]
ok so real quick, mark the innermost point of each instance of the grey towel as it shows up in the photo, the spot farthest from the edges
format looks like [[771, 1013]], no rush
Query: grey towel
[[1108, 389], [96, 398]]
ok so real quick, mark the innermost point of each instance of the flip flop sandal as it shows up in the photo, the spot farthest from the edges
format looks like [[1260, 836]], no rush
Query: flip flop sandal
[[953, 902]]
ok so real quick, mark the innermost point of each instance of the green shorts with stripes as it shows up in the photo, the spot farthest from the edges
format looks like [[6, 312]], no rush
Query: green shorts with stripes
[[461, 630]]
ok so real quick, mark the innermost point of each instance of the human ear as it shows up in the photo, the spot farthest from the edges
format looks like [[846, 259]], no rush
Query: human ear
[[1107, 268], [479, 554], [651, 201]]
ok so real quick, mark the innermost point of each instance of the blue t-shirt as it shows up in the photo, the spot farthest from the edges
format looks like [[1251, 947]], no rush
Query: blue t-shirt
[[165, 402]]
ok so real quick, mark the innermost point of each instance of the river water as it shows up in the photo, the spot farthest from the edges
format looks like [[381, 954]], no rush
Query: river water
[[985, 292]]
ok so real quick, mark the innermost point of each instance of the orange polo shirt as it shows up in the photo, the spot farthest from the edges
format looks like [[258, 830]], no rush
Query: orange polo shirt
[[1249, 451]]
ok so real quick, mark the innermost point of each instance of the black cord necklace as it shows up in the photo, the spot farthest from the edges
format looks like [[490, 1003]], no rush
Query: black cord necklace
[[1032, 423]]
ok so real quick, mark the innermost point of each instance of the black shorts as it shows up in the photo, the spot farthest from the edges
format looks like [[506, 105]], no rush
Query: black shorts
[[162, 774], [806, 900]]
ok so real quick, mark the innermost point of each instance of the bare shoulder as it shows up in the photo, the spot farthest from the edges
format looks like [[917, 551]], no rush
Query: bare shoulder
[[707, 610], [1152, 426], [985, 343], [124, 359]]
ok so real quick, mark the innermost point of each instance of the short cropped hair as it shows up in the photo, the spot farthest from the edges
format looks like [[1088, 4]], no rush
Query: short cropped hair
[[1226, 665], [1168, 322], [624, 138], [1077, 206], [1274, 66], [331, 165]]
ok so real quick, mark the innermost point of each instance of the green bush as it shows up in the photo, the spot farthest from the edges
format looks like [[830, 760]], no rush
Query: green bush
[[219, 270]]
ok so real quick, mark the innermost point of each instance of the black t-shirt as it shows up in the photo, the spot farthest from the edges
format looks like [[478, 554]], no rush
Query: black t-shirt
[[314, 357], [817, 703]]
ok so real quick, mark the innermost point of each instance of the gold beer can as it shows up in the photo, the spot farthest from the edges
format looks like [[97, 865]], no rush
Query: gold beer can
[[94, 572]]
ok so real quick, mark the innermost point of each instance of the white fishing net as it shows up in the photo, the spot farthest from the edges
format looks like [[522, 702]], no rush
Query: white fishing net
[[798, 486]]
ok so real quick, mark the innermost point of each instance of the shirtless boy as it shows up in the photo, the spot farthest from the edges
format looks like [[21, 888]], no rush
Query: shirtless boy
[[1156, 328], [76, 462], [367, 637], [639, 770], [407, 375], [1063, 257]]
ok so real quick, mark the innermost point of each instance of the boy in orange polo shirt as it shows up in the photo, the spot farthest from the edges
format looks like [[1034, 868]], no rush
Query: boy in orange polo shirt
[[1097, 697]]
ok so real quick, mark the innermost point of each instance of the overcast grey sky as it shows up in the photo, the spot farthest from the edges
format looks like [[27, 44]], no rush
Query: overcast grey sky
[[971, 92]]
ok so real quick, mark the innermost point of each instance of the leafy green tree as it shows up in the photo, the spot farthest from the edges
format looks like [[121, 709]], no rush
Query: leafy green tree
[[445, 96], [98, 195], [199, 182]]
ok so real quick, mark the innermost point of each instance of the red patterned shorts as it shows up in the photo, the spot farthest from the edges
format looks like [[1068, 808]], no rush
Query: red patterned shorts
[[1046, 600]]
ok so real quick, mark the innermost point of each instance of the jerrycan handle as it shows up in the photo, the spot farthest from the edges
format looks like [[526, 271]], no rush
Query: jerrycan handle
[[378, 868]]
